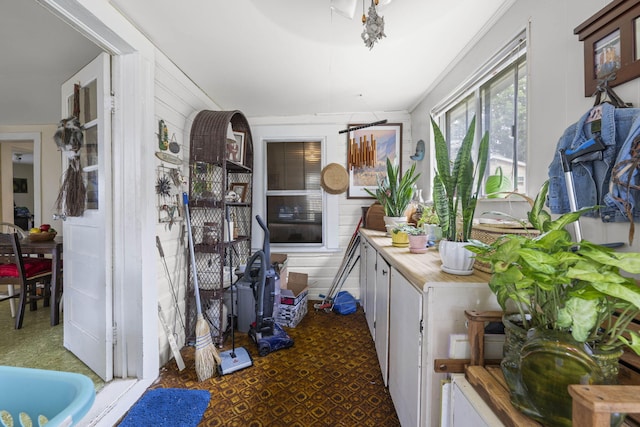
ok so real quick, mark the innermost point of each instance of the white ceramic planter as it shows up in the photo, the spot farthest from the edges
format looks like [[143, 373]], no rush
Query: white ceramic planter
[[391, 221], [456, 259]]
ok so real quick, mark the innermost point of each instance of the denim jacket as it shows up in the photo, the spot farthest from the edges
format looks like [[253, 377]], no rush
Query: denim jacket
[[591, 176]]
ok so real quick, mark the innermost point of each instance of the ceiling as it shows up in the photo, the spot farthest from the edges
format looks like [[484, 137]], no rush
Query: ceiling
[[264, 57]]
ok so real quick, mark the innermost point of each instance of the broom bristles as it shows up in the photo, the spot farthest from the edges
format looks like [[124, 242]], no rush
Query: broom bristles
[[206, 354]]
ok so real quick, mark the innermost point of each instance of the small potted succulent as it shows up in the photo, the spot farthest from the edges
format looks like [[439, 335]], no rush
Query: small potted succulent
[[400, 235], [417, 238]]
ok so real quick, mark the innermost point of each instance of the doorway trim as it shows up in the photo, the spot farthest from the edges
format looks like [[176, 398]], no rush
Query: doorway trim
[[36, 139], [136, 353]]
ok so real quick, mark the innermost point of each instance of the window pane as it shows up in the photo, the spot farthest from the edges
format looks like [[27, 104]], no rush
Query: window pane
[[295, 219], [500, 112], [293, 165], [504, 108], [522, 124], [458, 120], [89, 162]]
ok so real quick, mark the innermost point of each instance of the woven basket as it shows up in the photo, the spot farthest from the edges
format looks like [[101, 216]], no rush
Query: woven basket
[[488, 234]]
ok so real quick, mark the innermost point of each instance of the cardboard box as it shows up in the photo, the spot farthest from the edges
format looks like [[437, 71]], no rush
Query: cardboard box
[[297, 289], [281, 267], [293, 301], [291, 315]]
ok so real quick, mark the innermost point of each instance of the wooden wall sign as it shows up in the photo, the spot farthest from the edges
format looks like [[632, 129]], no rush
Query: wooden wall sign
[[611, 45]]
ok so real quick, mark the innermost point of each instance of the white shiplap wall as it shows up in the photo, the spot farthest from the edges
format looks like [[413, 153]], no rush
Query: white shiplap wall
[[177, 100], [323, 266]]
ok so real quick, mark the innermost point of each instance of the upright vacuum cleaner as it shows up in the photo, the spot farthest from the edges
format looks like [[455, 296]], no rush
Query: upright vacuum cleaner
[[265, 283], [236, 358]]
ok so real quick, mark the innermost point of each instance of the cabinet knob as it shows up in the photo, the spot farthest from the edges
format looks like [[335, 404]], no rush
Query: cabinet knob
[[384, 272]]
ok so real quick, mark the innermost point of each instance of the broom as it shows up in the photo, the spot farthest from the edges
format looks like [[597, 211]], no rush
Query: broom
[[206, 354]]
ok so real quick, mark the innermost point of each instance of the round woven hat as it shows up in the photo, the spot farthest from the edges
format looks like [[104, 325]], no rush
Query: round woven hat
[[334, 178]]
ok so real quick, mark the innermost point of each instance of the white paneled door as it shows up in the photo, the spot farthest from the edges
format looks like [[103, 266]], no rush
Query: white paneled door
[[88, 313]]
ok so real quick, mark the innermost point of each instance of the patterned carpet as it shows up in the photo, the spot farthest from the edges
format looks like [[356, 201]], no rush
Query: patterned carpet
[[330, 377]]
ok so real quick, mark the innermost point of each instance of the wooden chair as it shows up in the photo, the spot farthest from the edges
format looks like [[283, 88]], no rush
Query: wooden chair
[[24, 272], [7, 227]]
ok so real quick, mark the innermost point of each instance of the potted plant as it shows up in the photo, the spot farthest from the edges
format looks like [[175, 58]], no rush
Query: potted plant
[[430, 222], [394, 192], [400, 235], [416, 235], [567, 294], [455, 194]]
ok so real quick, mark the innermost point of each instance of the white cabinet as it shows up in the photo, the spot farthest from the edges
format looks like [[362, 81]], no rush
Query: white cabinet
[[405, 348], [444, 304], [368, 283], [417, 309], [466, 407], [381, 324]]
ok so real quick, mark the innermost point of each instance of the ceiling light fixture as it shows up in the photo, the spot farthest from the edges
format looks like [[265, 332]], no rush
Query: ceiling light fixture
[[373, 25]]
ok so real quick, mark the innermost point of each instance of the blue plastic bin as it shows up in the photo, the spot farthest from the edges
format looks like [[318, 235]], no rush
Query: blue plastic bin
[[63, 397]]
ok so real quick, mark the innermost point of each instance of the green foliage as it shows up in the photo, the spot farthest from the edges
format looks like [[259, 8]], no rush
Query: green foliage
[[428, 215], [455, 191], [410, 229], [394, 192], [564, 285]]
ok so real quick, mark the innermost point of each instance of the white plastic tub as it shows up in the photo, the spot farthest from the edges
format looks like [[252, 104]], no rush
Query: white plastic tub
[[63, 397]]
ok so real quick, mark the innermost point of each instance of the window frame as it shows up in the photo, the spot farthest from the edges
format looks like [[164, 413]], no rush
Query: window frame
[[326, 216], [508, 59]]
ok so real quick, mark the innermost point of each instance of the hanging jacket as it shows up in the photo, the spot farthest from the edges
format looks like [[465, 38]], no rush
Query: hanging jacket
[[592, 174]]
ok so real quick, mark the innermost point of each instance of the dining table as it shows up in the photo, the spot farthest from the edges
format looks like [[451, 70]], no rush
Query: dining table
[[53, 248]]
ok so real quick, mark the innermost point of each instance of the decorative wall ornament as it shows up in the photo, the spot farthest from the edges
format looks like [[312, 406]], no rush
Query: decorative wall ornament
[[69, 138], [373, 25]]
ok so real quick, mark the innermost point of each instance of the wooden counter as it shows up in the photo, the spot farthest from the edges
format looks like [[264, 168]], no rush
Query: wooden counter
[[419, 269]]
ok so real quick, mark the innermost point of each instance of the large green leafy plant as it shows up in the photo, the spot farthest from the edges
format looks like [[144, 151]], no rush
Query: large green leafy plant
[[576, 287], [456, 185], [395, 191]]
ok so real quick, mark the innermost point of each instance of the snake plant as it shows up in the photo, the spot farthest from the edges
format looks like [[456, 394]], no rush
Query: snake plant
[[453, 189], [395, 191]]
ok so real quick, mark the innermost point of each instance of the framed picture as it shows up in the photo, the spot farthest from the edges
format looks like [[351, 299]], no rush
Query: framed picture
[[388, 145], [20, 185], [240, 189], [235, 151], [611, 45]]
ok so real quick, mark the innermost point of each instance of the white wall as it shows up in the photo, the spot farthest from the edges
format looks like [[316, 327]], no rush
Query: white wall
[[50, 173], [322, 266], [24, 199], [555, 88], [176, 102]]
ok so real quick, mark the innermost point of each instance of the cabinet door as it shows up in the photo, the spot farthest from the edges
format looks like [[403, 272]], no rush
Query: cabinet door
[[363, 273], [405, 344], [370, 291], [383, 274]]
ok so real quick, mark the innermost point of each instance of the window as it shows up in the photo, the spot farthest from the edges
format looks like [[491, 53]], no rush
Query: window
[[294, 195], [497, 96]]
